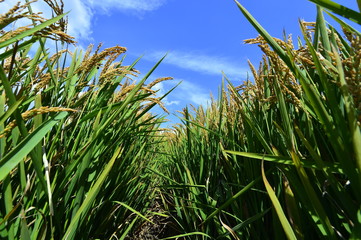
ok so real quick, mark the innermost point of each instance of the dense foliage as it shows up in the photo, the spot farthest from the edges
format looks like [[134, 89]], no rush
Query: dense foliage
[[83, 157]]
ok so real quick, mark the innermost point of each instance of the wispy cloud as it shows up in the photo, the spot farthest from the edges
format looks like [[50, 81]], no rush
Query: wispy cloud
[[160, 88], [185, 93], [79, 16], [202, 63], [193, 93], [132, 5], [81, 12]]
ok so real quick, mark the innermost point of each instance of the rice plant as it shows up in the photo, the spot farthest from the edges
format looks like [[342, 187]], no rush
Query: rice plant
[[278, 157], [83, 157], [75, 135]]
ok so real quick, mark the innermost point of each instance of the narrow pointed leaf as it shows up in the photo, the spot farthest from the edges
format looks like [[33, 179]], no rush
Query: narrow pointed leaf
[[13, 158], [276, 204], [31, 31]]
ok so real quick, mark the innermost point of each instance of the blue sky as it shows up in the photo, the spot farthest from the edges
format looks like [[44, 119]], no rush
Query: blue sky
[[202, 37]]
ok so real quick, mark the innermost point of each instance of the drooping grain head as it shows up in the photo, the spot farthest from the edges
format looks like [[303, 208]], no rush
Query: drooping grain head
[[56, 31], [32, 113]]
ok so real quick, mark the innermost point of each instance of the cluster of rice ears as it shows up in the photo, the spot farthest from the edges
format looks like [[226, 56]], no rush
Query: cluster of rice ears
[[76, 135], [280, 156]]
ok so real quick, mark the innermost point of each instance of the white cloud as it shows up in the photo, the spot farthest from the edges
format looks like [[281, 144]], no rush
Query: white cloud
[[132, 5], [202, 63], [161, 91], [191, 93], [185, 93], [82, 11], [79, 16], [168, 103]]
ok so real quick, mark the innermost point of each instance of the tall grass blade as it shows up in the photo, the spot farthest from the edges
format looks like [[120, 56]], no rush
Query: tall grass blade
[[276, 204], [339, 9], [88, 202], [187, 235], [334, 167], [10, 111], [10, 160], [31, 31], [134, 211]]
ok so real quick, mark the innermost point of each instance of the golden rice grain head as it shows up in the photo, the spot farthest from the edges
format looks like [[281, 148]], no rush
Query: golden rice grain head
[[42, 110], [123, 92], [158, 102], [42, 82], [96, 58], [148, 90], [59, 53], [349, 35], [98, 48], [109, 75], [32, 113], [291, 95], [309, 28], [308, 24], [58, 10], [251, 41], [10, 34], [8, 129], [110, 64], [16, 12], [88, 52], [53, 32], [12, 11], [158, 80], [19, 62], [307, 61]]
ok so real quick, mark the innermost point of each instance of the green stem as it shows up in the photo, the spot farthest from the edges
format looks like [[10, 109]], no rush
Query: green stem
[[20, 122]]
